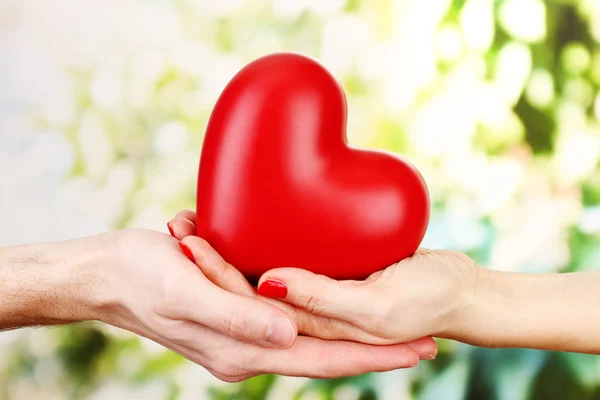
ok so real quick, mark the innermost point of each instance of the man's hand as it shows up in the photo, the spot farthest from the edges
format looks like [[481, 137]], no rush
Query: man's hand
[[142, 281]]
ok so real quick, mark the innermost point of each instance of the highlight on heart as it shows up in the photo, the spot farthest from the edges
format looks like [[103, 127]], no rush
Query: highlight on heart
[[273, 199]]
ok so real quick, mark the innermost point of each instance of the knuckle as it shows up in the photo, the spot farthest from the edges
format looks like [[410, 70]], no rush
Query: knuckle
[[237, 326], [310, 303], [215, 270]]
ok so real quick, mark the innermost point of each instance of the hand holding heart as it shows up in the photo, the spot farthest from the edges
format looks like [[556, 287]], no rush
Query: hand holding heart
[[420, 296], [426, 294], [279, 186]]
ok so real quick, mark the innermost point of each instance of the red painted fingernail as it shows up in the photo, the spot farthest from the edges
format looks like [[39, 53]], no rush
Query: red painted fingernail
[[186, 250], [170, 229], [273, 288]]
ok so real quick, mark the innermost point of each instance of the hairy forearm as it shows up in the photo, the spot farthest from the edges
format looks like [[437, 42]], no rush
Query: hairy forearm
[[47, 284], [542, 311]]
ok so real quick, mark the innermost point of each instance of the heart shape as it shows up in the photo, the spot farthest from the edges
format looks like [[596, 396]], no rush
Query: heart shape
[[278, 185]]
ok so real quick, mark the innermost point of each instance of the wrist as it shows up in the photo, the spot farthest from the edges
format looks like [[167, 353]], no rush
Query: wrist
[[497, 315], [456, 307], [468, 322], [46, 284], [109, 295], [91, 274]]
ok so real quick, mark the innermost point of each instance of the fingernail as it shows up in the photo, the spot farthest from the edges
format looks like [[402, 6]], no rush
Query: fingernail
[[427, 357], [281, 332], [170, 229], [273, 288], [186, 250]]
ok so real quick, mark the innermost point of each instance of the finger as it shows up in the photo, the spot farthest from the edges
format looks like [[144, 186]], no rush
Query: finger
[[345, 300], [229, 278], [326, 328], [426, 347], [322, 359], [205, 347], [187, 214], [180, 227], [240, 317], [216, 269], [308, 357]]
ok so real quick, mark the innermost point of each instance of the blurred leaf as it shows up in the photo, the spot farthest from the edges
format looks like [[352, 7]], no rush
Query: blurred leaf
[[554, 382], [449, 384], [539, 127], [255, 388], [515, 373], [353, 5], [585, 368], [591, 189], [166, 363], [80, 350]]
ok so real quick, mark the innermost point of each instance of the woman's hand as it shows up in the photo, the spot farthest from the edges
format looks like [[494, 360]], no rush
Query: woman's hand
[[227, 277], [426, 294]]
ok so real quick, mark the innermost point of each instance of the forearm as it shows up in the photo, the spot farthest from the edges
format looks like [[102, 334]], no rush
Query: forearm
[[47, 284], [542, 311]]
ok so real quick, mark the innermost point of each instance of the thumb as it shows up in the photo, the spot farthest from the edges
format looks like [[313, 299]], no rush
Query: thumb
[[350, 301], [240, 317]]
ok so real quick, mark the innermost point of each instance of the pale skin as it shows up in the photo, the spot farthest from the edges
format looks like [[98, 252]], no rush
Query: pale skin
[[443, 294], [141, 281]]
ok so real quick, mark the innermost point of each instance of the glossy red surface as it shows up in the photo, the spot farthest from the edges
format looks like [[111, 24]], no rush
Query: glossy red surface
[[279, 186]]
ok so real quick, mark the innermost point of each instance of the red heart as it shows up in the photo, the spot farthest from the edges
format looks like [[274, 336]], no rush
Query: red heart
[[279, 186]]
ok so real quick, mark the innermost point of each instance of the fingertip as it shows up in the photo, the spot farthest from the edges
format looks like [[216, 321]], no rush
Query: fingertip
[[284, 274], [187, 251], [266, 276], [373, 358], [425, 347], [274, 288], [404, 357], [281, 332], [188, 215], [204, 253], [181, 228]]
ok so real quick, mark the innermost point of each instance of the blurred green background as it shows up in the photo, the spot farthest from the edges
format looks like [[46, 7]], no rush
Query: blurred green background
[[103, 106]]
